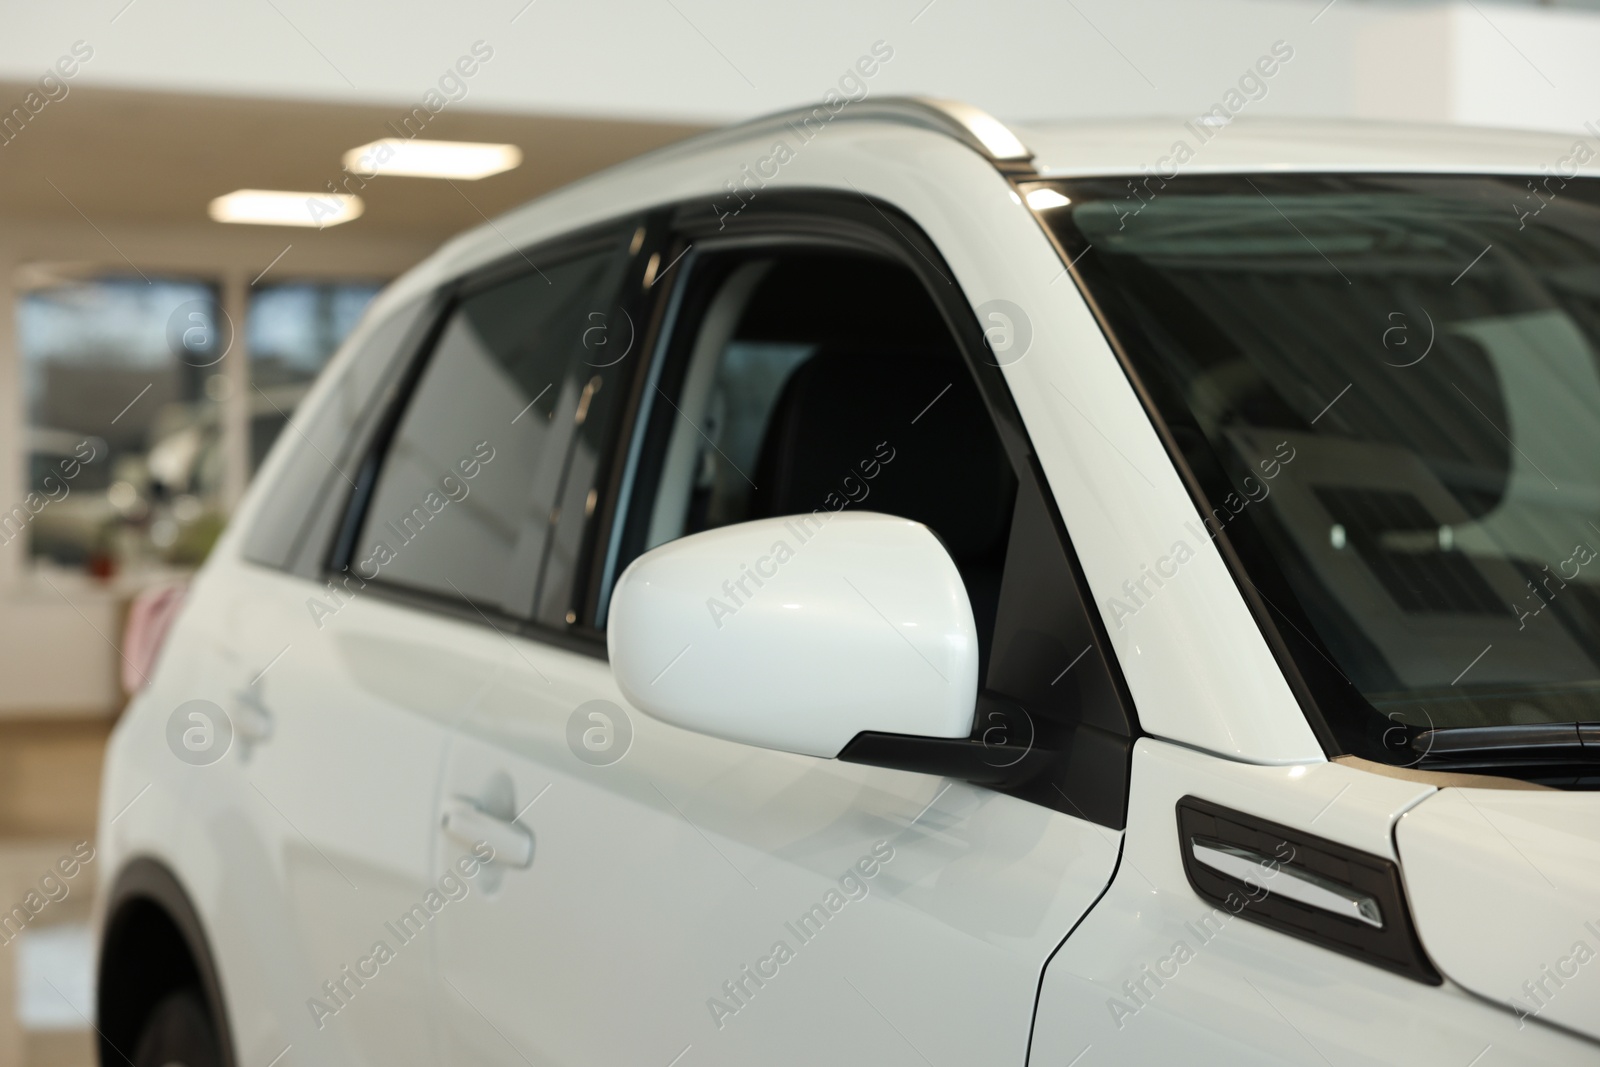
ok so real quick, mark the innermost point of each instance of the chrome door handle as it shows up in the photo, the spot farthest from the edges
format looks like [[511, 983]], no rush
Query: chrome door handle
[[1294, 883], [468, 823]]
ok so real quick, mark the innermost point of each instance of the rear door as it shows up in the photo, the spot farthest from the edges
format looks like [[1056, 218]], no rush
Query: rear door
[[345, 693], [682, 898], [320, 758], [437, 560]]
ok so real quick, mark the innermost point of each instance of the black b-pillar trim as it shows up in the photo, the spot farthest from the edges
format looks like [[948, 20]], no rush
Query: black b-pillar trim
[[1003, 752]]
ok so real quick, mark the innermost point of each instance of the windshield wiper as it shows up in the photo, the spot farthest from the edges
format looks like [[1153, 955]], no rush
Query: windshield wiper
[[1569, 741]]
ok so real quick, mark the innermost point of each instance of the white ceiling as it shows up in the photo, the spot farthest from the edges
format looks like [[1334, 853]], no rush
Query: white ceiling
[[715, 60]]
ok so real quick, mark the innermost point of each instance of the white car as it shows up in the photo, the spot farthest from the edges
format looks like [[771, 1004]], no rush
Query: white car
[[875, 585]]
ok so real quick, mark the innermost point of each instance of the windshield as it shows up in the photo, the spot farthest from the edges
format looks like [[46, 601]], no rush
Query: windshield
[[1424, 347]]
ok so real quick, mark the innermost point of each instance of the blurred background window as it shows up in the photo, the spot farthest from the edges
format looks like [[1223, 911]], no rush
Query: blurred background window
[[292, 331], [127, 429], [121, 379]]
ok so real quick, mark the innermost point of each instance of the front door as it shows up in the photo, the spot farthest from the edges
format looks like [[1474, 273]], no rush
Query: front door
[[678, 898]]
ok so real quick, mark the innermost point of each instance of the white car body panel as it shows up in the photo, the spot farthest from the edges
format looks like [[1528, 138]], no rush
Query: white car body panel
[[657, 878], [1085, 148], [320, 834], [1502, 885], [352, 782]]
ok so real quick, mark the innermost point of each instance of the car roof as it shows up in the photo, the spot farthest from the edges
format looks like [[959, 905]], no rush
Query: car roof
[[1044, 149], [1249, 143]]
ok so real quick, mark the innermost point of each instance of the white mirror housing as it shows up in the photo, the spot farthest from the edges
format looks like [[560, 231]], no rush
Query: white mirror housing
[[799, 633]]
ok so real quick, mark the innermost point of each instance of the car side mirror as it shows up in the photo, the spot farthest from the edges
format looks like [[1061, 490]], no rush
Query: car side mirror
[[804, 634]]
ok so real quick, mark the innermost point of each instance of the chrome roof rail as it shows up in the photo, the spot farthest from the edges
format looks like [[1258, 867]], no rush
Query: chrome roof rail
[[972, 126]]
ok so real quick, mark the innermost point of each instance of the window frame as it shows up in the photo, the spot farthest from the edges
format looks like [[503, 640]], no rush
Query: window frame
[[1099, 777]]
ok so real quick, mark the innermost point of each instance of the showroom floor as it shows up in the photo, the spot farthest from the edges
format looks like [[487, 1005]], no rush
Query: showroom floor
[[49, 782]]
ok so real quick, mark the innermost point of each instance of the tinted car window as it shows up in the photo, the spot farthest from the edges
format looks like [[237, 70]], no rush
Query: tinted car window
[[467, 488], [792, 396]]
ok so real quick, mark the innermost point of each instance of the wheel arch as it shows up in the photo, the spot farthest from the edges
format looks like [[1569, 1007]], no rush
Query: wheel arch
[[152, 942]]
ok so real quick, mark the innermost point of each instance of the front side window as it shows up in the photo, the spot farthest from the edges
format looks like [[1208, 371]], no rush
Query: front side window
[[468, 486], [804, 381], [1389, 389], [813, 382]]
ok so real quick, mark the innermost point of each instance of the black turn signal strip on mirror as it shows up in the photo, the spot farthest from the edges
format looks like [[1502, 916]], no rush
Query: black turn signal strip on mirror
[[1301, 885]]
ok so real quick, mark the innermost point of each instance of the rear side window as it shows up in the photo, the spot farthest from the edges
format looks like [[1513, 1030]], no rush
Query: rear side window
[[468, 485]]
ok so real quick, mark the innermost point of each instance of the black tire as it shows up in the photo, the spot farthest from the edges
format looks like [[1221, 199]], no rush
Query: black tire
[[178, 1033]]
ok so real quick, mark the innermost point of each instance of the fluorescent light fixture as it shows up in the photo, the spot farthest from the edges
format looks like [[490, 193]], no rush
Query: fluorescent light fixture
[[468, 160], [273, 207], [1045, 199]]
